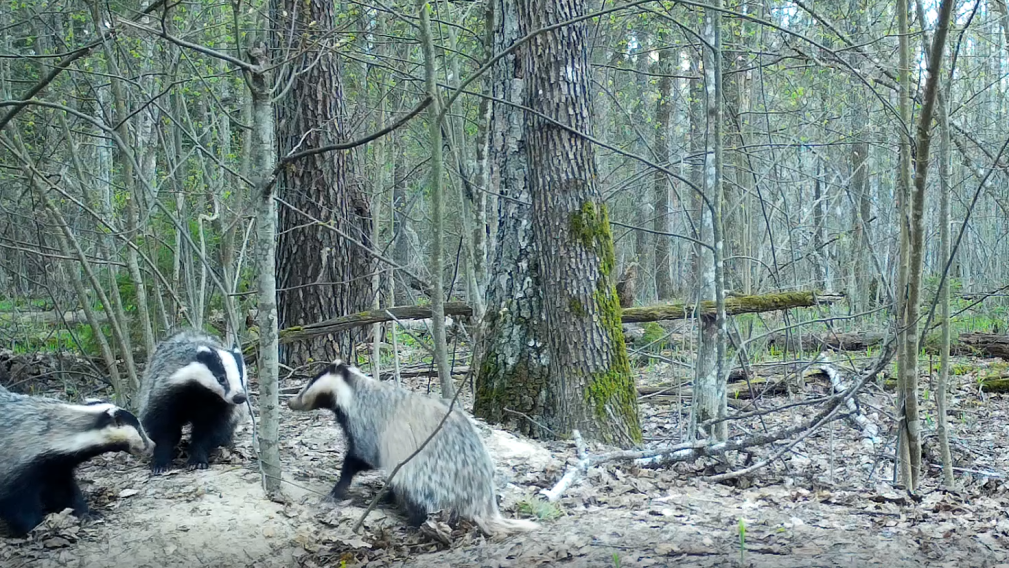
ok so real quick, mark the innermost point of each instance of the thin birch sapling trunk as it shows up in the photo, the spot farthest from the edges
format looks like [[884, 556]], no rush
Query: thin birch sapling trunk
[[264, 148], [437, 207]]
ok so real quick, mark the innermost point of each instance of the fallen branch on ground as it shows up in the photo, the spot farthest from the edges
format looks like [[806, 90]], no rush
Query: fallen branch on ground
[[692, 450]]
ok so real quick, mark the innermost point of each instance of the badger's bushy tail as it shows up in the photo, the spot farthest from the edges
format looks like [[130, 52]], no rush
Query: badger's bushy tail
[[496, 525]]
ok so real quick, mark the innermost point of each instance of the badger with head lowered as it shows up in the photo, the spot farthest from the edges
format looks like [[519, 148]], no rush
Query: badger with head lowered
[[384, 425], [43, 440], [192, 379]]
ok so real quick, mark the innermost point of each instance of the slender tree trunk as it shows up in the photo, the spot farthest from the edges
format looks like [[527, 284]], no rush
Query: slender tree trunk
[[590, 387], [320, 274], [437, 208], [904, 209], [916, 241], [663, 154], [264, 148], [709, 388], [942, 387], [512, 370]]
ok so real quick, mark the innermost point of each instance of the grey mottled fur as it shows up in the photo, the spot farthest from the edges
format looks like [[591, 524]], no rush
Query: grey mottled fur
[[158, 397], [27, 423], [454, 472]]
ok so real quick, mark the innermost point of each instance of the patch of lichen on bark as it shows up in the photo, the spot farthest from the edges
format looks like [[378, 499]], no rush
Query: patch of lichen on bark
[[518, 387], [612, 389]]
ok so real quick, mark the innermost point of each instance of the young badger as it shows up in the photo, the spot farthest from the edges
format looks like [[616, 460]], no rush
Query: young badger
[[191, 379], [42, 441], [384, 425]]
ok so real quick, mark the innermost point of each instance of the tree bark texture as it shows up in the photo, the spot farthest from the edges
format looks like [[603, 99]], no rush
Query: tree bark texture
[[266, 280], [903, 216], [512, 370], [590, 387], [437, 207], [319, 273], [663, 155]]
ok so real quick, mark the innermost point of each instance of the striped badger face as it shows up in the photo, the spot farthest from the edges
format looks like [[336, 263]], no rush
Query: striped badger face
[[221, 371], [109, 429], [330, 389]]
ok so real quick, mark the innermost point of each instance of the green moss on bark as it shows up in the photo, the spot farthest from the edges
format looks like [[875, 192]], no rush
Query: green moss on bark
[[610, 390]]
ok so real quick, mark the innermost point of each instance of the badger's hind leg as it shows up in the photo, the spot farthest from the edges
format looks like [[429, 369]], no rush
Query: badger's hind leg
[[415, 508], [209, 433]]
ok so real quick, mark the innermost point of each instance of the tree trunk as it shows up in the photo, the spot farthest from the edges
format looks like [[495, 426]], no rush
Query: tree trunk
[[320, 274], [264, 148], [590, 387], [709, 389], [942, 388], [437, 207], [916, 245], [663, 108], [512, 370], [904, 209]]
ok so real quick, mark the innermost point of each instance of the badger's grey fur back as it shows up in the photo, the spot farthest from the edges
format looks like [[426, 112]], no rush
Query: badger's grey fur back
[[42, 440], [192, 379], [385, 425]]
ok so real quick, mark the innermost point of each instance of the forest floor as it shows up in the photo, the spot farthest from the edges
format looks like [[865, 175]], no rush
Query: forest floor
[[828, 503]]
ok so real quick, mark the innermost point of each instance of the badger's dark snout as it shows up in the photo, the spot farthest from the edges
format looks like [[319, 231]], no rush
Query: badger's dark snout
[[239, 399]]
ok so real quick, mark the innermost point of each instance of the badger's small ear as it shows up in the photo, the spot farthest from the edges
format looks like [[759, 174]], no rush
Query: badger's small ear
[[93, 401], [203, 349]]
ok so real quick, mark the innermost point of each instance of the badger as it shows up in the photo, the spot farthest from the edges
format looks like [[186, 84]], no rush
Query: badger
[[43, 440], [191, 379], [384, 425]]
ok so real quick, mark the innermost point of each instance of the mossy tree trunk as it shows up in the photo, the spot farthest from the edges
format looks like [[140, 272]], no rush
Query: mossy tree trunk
[[513, 370], [589, 384]]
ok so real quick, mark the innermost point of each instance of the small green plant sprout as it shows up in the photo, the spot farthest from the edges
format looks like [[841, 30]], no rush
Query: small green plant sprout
[[540, 509], [742, 541], [616, 560]]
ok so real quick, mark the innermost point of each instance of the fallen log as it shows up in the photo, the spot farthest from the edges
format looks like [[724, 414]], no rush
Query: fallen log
[[981, 344], [851, 341], [303, 332], [967, 344], [734, 305]]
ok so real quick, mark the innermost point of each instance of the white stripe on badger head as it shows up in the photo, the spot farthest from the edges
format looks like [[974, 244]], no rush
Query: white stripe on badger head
[[233, 374], [89, 439], [328, 384], [198, 373]]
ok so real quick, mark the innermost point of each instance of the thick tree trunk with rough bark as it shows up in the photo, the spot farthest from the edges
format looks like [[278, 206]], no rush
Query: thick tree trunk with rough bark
[[319, 273], [512, 372], [589, 387]]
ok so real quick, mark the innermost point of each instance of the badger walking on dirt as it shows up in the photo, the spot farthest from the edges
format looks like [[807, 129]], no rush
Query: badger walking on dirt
[[191, 379], [43, 440], [384, 425]]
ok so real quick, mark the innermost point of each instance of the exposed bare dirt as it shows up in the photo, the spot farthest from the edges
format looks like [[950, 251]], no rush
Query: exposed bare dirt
[[828, 504]]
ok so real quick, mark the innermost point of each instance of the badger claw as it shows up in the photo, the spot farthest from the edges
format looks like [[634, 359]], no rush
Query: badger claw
[[198, 465], [159, 469]]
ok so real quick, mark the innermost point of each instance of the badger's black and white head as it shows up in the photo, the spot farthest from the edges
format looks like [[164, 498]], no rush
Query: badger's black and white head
[[97, 427], [331, 389], [221, 371]]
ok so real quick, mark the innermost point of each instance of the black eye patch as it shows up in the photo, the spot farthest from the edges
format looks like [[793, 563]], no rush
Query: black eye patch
[[213, 362], [126, 418]]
